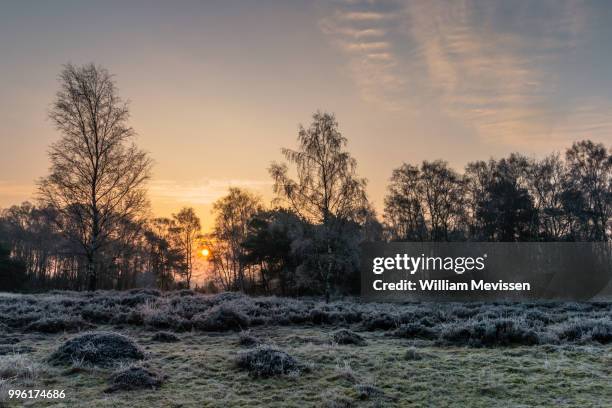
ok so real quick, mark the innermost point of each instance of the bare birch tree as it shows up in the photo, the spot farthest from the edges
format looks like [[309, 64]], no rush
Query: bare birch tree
[[97, 174]]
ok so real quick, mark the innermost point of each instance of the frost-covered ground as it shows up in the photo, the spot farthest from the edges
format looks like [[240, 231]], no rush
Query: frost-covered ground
[[147, 349]]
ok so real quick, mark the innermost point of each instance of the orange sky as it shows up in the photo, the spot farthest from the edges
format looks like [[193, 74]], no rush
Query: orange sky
[[217, 89]]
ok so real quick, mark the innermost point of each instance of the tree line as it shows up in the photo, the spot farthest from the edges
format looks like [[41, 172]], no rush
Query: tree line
[[90, 227]]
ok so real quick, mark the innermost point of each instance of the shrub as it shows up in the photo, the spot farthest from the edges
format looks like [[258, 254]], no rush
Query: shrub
[[595, 330], [97, 314], [345, 336], [137, 299], [58, 324], [221, 318], [267, 361], [415, 330], [380, 322], [145, 291], [97, 348], [132, 317], [501, 332], [538, 317], [134, 378], [159, 320], [165, 337], [602, 332]]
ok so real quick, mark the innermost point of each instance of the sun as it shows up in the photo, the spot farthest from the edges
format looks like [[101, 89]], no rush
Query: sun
[[205, 252]]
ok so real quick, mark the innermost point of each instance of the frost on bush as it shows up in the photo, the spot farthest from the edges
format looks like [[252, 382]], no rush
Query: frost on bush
[[267, 361], [599, 330], [488, 333], [97, 348], [58, 324], [345, 336], [134, 378], [380, 322], [221, 318], [415, 330]]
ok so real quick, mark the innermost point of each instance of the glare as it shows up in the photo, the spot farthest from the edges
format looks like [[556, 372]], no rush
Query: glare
[[205, 252]]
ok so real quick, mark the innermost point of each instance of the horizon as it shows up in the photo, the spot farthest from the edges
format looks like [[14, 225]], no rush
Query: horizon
[[226, 86]]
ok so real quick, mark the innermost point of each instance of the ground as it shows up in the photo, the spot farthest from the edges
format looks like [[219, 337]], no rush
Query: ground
[[201, 370]]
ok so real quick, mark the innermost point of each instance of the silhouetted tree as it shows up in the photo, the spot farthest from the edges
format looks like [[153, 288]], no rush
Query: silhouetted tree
[[13, 274], [327, 186], [326, 190], [166, 259], [97, 174], [186, 229], [233, 213], [476, 179], [506, 209], [404, 215], [547, 182], [268, 246], [588, 194]]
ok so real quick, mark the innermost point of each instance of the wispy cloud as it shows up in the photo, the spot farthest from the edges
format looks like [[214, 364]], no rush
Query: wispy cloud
[[363, 33], [366, 46], [472, 61], [362, 16]]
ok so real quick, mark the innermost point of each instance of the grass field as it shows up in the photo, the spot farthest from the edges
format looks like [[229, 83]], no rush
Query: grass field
[[423, 355]]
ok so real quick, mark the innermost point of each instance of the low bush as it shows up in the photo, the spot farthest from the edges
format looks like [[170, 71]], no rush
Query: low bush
[[58, 324], [599, 330], [221, 318], [487, 333], [137, 299], [161, 320], [97, 348], [98, 314], [267, 361], [415, 330], [134, 378], [380, 322], [345, 336], [602, 332]]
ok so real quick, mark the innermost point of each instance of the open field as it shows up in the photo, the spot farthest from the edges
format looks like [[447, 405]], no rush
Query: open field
[[471, 354]]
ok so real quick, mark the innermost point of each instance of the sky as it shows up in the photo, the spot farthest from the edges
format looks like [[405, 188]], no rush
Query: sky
[[216, 88]]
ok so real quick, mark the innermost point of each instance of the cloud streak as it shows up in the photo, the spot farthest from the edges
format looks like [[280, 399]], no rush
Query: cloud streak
[[488, 66]]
